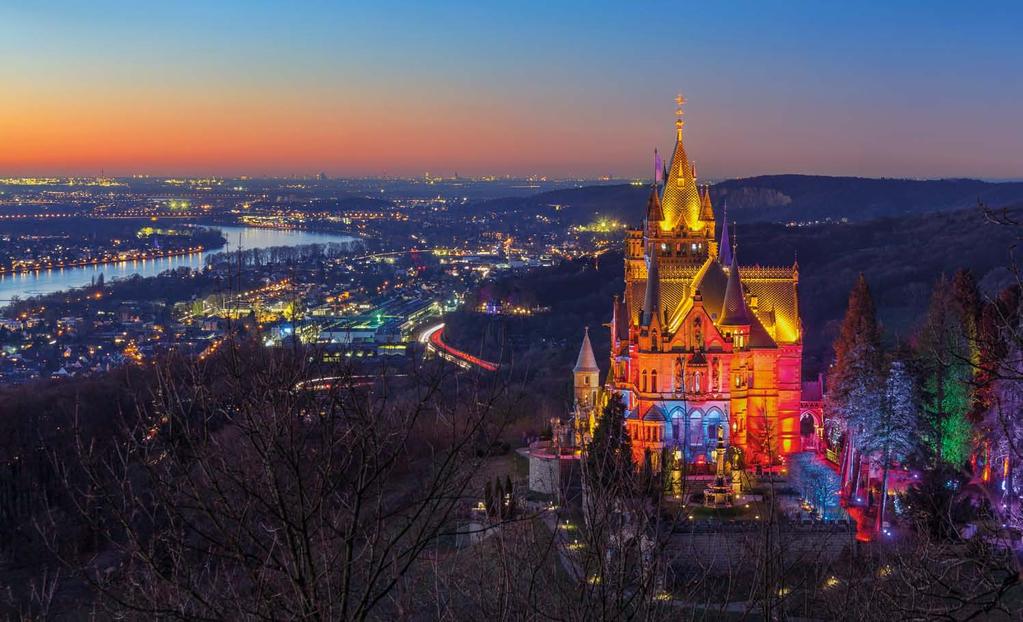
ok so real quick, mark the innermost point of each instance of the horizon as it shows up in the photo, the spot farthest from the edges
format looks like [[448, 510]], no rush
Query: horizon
[[574, 91], [482, 178]]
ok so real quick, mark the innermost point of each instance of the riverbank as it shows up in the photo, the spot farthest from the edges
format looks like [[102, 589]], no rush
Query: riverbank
[[120, 258], [22, 285]]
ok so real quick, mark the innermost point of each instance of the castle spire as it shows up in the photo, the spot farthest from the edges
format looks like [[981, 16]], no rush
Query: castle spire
[[652, 298], [586, 361], [681, 198], [654, 214], [733, 308], [706, 209], [725, 248]]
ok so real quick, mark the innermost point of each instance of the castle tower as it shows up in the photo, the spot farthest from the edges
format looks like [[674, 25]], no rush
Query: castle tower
[[701, 349], [586, 376]]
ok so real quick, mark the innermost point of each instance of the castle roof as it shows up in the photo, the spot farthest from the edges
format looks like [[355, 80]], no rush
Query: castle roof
[[677, 255], [733, 307], [653, 208], [713, 287], [725, 247], [706, 209], [620, 319], [586, 362], [654, 413]]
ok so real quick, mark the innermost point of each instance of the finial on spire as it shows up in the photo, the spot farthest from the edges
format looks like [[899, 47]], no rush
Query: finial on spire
[[679, 122]]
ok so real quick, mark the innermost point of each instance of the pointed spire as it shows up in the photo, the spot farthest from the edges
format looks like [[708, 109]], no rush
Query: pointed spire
[[680, 200], [725, 248], [654, 214], [619, 319], [733, 308], [652, 298], [681, 197], [586, 360], [706, 209]]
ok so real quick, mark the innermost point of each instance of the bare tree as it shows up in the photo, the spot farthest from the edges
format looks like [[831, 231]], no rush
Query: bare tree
[[246, 488]]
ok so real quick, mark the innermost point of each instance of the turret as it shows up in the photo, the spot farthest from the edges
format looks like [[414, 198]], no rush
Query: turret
[[707, 210], [725, 248], [654, 214], [735, 317], [586, 375]]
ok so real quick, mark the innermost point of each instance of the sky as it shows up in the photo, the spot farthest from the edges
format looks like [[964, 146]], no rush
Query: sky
[[562, 88]]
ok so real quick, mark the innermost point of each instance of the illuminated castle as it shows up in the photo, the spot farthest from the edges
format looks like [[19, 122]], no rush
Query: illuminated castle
[[699, 342]]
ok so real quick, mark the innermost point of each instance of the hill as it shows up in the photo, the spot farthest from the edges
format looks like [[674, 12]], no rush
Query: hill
[[573, 206], [783, 198], [901, 257], [772, 198]]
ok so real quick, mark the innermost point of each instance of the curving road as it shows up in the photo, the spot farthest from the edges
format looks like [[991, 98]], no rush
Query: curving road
[[432, 338]]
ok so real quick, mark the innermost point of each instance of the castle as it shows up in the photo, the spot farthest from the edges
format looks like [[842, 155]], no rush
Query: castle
[[699, 342]]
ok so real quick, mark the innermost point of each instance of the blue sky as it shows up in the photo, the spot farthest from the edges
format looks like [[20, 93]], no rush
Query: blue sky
[[562, 88]]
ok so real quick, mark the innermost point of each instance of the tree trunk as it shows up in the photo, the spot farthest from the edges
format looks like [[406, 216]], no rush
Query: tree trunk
[[884, 498], [856, 467]]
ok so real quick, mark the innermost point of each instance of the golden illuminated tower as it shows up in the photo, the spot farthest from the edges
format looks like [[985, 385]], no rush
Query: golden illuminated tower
[[682, 204]]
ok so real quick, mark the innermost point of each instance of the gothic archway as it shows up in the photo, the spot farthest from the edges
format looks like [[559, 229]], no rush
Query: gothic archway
[[810, 432]]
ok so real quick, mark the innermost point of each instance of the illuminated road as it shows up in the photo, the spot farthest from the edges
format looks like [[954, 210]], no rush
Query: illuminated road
[[432, 338]]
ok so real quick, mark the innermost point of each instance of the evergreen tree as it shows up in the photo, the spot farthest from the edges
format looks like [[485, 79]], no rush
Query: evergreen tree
[[609, 453], [967, 306], [858, 347], [892, 435], [856, 377], [947, 390]]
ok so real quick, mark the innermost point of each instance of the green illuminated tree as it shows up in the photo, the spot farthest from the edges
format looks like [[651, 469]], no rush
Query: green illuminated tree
[[947, 392]]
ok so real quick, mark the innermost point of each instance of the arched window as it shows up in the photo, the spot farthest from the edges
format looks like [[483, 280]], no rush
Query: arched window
[[643, 386], [653, 340], [696, 381], [653, 381], [695, 429], [678, 430]]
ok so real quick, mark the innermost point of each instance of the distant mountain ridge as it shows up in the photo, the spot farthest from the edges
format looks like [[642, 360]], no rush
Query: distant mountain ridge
[[782, 198], [775, 198]]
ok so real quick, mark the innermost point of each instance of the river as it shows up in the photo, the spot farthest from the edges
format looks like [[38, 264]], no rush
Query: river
[[28, 284]]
